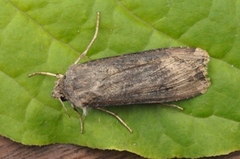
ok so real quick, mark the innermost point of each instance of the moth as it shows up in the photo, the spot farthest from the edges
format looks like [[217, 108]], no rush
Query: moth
[[154, 76]]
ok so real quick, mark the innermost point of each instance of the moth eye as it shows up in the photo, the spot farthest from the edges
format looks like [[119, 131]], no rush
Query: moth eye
[[63, 98]]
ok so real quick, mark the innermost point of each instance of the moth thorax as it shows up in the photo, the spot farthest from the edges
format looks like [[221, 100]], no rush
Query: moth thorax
[[58, 90]]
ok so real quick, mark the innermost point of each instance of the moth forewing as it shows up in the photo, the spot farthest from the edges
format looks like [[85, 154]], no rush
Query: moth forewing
[[155, 76]]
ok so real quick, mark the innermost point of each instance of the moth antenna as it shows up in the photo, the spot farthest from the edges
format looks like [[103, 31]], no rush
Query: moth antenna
[[47, 74], [80, 118], [116, 116], [93, 39], [64, 106]]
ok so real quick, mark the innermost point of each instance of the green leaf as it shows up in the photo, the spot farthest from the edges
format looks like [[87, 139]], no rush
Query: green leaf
[[49, 36]]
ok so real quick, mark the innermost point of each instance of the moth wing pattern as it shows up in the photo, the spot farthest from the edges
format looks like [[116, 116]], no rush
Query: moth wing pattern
[[155, 76]]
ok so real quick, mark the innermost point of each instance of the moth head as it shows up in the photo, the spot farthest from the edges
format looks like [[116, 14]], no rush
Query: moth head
[[58, 90]]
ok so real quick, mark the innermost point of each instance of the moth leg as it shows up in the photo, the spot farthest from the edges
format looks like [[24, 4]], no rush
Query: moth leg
[[116, 116], [93, 39], [80, 118], [64, 106], [173, 105], [47, 74]]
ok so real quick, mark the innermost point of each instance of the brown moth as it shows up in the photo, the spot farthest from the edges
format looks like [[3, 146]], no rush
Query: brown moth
[[154, 76]]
